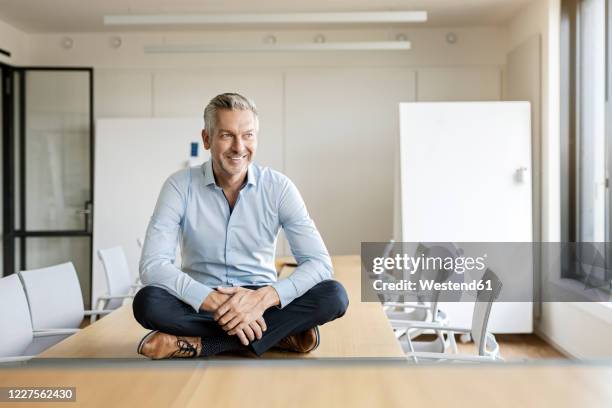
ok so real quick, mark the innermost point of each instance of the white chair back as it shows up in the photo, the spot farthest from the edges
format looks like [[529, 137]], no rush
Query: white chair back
[[118, 277], [15, 323], [54, 295], [442, 251], [482, 310]]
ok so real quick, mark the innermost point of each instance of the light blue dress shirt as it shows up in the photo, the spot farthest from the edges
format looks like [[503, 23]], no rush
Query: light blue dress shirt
[[220, 247]]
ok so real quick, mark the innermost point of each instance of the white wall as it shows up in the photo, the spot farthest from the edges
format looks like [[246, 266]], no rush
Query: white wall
[[475, 46], [129, 83], [15, 42], [143, 153], [342, 134], [341, 160], [534, 20]]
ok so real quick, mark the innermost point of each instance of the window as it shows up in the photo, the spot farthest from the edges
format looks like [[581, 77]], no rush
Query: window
[[586, 124]]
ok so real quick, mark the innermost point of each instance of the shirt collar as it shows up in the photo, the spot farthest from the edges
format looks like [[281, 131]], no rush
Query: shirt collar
[[209, 177], [251, 176]]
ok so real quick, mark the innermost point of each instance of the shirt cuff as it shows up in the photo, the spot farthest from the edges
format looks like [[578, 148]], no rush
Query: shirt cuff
[[195, 294], [286, 291]]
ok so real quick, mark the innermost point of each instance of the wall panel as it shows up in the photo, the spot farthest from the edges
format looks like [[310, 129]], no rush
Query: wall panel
[[342, 137], [122, 93], [459, 84]]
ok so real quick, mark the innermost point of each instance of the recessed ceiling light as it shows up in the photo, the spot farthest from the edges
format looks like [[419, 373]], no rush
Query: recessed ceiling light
[[67, 43], [115, 42], [270, 39], [319, 38]]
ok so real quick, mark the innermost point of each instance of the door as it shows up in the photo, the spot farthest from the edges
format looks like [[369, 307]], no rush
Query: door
[[466, 177], [49, 189], [3, 112]]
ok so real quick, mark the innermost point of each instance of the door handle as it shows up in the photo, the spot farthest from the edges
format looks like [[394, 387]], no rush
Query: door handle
[[87, 212], [519, 174]]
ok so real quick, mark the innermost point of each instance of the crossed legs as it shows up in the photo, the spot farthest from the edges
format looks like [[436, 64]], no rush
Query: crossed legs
[[156, 309]]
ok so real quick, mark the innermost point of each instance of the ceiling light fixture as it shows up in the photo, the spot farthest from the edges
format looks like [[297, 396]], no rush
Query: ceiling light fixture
[[270, 39], [115, 42], [323, 46], [67, 43], [276, 18]]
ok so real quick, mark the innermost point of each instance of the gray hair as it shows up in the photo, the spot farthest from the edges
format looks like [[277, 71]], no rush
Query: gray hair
[[229, 101]]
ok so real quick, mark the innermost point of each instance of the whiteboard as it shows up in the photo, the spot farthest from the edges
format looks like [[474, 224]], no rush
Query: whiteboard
[[459, 163], [133, 159]]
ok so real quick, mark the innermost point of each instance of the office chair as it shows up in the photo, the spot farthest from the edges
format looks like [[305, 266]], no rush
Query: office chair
[[16, 325], [54, 297], [488, 349], [119, 281], [426, 308]]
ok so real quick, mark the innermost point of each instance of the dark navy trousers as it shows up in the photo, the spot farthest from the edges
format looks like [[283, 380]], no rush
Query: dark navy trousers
[[156, 309]]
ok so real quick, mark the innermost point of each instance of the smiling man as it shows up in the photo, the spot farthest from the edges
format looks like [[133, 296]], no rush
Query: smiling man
[[227, 215]]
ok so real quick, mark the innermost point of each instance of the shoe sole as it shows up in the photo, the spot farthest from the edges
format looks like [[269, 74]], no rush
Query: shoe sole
[[143, 340], [318, 336]]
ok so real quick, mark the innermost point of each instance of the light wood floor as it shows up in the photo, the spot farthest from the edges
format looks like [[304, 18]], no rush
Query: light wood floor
[[530, 346], [514, 347]]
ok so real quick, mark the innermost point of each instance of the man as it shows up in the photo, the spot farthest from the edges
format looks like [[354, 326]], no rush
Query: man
[[227, 215]]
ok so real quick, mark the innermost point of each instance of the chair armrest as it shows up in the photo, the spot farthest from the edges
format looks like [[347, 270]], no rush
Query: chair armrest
[[115, 297], [97, 312], [54, 332], [407, 305], [424, 325], [15, 359], [450, 357], [409, 324]]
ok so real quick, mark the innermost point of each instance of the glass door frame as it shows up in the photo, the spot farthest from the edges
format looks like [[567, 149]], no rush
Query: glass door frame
[[10, 170]]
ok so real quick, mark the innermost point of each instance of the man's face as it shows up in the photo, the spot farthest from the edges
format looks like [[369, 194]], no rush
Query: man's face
[[234, 143]]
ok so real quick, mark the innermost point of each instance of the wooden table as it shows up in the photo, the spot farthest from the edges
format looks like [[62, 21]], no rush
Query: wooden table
[[363, 331], [101, 362], [317, 383]]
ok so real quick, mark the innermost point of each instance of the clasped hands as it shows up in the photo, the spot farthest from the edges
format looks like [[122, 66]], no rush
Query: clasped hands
[[239, 311]]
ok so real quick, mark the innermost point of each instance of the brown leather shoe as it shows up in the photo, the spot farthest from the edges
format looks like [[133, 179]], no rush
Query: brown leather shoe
[[157, 345], [303, 342]]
